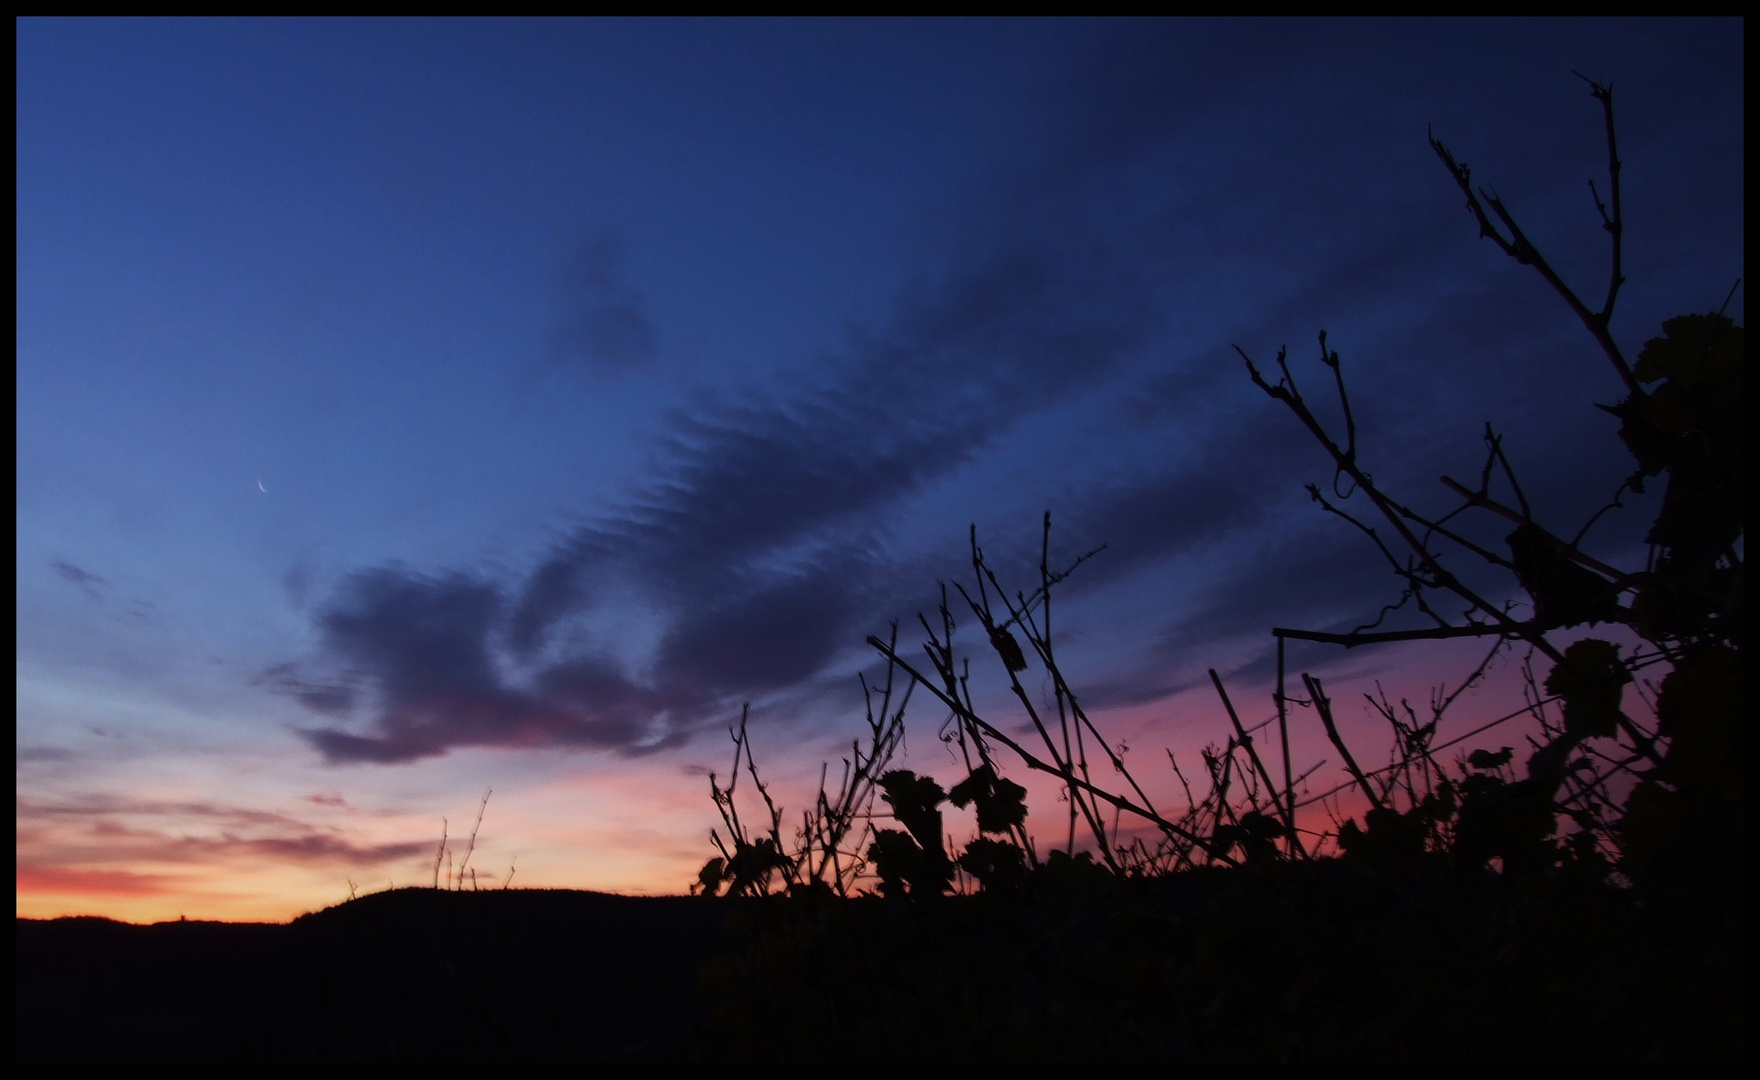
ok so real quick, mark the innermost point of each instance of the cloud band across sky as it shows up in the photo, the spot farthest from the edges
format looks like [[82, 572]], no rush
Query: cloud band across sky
[[413, 399]]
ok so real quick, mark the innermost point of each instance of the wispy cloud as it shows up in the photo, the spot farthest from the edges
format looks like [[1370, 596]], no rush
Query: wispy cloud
[[75, 575], [44, 753], [601, 321], [427, 647], [1113, 265], [74, 835], [64, 881], [755, 540]]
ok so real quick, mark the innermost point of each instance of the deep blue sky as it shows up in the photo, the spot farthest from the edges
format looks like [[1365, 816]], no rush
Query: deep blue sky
[[408, 403]]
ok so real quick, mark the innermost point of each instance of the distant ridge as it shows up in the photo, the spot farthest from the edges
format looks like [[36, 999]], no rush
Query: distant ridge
[[405, 975]]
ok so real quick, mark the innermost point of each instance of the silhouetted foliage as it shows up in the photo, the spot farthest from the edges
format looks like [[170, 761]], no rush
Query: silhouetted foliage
[[1583, 900], [1001, 804]]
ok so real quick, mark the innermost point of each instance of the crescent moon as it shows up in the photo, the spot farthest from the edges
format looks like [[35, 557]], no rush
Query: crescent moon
[[261, 488]]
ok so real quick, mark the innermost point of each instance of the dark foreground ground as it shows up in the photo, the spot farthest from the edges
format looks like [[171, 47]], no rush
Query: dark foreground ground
[[1306, 963], [410, 975]]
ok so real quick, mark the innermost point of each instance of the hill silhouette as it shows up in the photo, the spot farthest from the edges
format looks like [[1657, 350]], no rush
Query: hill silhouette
[[1287, 962], [407, 975]]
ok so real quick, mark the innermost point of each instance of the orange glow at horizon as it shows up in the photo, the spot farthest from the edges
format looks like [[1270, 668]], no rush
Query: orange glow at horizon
[[634, 826]]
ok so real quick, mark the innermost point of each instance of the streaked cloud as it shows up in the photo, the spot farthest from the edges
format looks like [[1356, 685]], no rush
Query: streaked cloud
[[601, 321]]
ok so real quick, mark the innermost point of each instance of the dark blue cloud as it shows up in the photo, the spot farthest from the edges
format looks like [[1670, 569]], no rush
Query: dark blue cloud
[[1232, 189], [329, 698], [746, 486], [75, 575], [601, 321], [427, 646], [712, 542]]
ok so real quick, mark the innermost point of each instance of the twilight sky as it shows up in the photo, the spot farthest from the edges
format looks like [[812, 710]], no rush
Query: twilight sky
[[412, 408]]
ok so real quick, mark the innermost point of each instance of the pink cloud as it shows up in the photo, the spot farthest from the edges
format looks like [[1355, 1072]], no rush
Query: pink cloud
[[58, 881]]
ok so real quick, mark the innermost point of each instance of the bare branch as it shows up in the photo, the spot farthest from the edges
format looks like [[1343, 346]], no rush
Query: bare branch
[[1247, 741], [1065, 774], [1323, 706], [1435, 633], [1570, 551], [1518, 247], [1614, 223]]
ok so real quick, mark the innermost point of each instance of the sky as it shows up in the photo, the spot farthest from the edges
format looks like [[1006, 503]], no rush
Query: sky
[[409, 409]]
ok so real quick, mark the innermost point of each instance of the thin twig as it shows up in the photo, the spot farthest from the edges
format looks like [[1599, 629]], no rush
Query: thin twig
[[1253, 754], [1323, 706], [472, 846]]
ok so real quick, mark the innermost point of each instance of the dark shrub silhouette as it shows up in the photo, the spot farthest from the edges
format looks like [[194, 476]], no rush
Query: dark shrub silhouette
[[1456, 922]]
